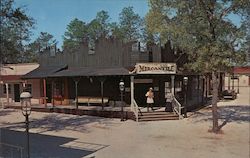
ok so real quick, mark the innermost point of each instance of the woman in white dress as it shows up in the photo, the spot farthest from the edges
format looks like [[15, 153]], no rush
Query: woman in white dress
[[150, 98]]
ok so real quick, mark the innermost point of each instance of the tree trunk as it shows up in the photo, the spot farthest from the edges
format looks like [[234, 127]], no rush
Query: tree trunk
[[214, 102]]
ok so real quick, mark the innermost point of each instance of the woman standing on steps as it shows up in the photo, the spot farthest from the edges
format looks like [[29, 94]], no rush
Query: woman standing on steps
[[150, 99]]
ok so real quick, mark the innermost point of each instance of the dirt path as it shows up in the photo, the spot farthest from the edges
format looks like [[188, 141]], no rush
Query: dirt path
[[95, 137]]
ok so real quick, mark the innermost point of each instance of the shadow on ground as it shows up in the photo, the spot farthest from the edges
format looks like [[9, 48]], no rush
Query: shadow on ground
[[44, 146], [238, 114], [56, 122], [6, 112]]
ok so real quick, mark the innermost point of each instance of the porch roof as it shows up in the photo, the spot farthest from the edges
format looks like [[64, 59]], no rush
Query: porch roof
[[44, 71], [242, 70], [10, 78], [94, 71]]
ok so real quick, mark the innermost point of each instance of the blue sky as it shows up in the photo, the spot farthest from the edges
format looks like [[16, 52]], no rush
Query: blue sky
[[53, 16]]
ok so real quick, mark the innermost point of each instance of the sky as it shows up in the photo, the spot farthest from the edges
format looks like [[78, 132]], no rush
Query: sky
[[53, 16]]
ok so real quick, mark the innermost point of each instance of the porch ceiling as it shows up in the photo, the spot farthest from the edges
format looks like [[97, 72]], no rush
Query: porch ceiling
[[87, 71]]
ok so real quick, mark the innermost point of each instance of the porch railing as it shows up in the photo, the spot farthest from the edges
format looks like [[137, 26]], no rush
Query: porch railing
[[135, 109], [177, 108]]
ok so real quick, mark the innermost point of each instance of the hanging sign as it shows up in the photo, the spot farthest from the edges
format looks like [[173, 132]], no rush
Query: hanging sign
[[156, 68]]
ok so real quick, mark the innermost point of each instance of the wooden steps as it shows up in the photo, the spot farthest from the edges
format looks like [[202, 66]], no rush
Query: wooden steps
[[157, 116]]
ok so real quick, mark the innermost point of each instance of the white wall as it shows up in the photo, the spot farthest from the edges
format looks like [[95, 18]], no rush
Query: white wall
[[35, 90], [243, 82]]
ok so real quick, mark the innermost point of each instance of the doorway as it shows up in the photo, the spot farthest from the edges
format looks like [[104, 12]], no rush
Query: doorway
[[49, 92], [17, 92], [140, 91]]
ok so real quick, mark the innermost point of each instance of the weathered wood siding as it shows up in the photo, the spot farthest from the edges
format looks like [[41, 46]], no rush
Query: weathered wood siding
[[108, 53]]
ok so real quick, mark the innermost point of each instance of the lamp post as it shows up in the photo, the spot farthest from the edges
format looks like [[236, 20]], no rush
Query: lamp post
[[185, 82], [26, 110], [121, 86]]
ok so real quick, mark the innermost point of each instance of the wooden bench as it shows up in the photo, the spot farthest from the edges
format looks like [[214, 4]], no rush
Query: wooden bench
[[229, 94], [92, 100]]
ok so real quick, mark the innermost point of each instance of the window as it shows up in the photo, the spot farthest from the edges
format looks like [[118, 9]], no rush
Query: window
[[4, 88]]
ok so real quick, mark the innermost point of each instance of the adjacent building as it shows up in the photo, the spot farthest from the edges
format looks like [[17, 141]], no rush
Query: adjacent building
[[238, 79], [12, 84]]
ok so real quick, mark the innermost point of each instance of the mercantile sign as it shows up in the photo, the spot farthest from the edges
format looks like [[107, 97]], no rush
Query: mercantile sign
[[155, 68]]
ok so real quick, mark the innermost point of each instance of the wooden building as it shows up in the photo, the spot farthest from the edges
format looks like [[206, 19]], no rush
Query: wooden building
[[64, 76]]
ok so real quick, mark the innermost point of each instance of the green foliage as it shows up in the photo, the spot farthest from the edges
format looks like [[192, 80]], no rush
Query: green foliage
[[116, 31], [202, 29], [76, 31], [130, 27], [44, 40], [102, 22], [247, 27], [130, 24], [99, 26], [15, 29]]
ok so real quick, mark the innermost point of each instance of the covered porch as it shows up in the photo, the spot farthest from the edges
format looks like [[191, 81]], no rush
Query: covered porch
[[97, 89]]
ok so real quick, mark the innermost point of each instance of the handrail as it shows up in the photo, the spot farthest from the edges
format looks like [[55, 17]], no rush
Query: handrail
[[177, 107], [135, 109]]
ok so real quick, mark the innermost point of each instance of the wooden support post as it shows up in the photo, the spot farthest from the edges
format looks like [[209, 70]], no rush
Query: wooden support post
[[44, 92], [132, 92], [233, 82], [76, 80], [102, 79], [203, 86], [76, 91], [52, 92], [7, 93], [238, 91], [198, 79], [102, 94], [66, 91], [223, 81], [172, 84]]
